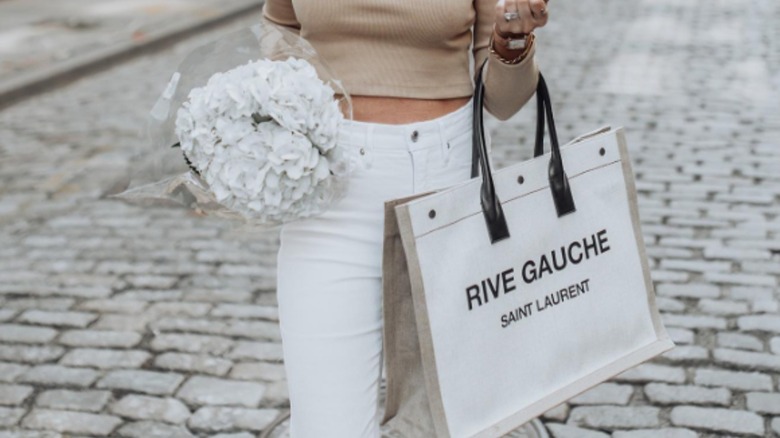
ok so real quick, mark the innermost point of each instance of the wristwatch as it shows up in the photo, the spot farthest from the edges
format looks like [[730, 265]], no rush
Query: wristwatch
[[515, 41]]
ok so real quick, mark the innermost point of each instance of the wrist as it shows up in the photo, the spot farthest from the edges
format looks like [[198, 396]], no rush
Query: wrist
[[503, 46]]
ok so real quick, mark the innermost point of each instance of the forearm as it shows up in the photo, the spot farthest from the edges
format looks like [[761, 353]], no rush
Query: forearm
[[508, 86]]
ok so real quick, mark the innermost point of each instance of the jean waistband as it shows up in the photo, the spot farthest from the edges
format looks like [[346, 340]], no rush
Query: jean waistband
[[415, 135]]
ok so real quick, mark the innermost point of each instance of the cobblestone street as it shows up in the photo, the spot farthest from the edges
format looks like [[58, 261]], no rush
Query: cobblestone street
[[117, 320]]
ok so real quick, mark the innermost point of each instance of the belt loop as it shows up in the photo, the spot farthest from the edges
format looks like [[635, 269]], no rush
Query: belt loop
[[444, 141], [369, 146]]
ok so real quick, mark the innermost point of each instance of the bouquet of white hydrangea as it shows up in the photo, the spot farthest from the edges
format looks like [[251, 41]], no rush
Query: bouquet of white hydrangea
[[256, 115], [263, 137]]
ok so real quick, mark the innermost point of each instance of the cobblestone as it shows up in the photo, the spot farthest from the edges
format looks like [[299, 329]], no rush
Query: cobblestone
[[749, 360], [135, 323], [257, 371], [663, 394], [723, 307], [105, 358], [687, 353], [651, 372], [138, 407], [605, 394], [151, 429], [100, 338], [26, 334], [14, 394], [220, 418], [91, 401], [203, 344], [666, 432], [774, 345], [59, 375], [10, 371], [28, 434], [694, 321], [615, 417], [681, 336], [10, 416], [739, 341], [147, 382], [565, 431], [244, 311], [234, 435], [766, 323], [70, 319], [114, 306], [257, 351], [31, 354], [71, 422], [193, 363], [763, 403], [718, 420], [162, 309], [734, 379], [202, 390], [7, 314]]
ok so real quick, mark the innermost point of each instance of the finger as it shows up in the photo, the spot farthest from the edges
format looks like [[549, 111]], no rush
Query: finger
[[513, 25], [524, 22], [539, 12]]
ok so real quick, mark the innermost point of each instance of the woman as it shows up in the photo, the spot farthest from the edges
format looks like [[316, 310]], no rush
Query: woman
[[407, 67]]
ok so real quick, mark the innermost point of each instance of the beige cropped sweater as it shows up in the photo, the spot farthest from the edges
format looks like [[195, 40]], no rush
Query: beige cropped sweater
[[407, 48]]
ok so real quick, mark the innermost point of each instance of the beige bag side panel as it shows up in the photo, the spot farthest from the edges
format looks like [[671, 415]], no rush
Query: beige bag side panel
[[407, 408], [423, 325]]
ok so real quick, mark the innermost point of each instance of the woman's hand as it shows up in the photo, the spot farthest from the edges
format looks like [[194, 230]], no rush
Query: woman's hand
[[524, 16]]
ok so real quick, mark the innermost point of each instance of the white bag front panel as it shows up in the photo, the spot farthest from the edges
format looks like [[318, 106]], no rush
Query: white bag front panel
[[610, 303]]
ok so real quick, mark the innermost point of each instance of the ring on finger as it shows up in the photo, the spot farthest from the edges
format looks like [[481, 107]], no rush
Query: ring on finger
[[508, 16]]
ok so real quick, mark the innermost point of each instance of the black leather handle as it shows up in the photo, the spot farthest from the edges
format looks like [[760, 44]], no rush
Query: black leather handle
[[491, 206], [559, 182]]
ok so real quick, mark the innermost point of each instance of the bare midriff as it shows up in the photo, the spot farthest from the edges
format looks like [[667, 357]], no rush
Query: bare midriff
[[399, 110]]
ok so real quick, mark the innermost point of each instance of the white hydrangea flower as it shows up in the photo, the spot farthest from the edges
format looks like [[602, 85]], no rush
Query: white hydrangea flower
[[262, 136]]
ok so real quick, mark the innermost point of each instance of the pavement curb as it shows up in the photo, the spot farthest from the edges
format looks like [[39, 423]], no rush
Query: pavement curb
[[20, 87]]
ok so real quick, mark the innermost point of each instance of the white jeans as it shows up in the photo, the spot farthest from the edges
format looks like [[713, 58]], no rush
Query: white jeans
[[329, 272]]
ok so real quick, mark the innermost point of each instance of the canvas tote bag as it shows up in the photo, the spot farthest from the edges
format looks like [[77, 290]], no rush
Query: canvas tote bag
[[509, 294]]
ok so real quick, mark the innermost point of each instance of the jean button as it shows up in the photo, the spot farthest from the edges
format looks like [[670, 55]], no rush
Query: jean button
[[415, 135]]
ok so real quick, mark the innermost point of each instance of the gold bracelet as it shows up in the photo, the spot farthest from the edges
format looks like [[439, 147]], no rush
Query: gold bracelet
[[528, 44]]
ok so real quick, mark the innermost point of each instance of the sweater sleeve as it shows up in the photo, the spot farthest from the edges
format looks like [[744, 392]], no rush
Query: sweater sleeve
[[507, 86], [281, 12]]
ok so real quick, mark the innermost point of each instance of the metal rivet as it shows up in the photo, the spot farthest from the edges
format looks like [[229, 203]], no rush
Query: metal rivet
[[362, 151], [602, 152], [432, 214], [520, 179], [415, 135]]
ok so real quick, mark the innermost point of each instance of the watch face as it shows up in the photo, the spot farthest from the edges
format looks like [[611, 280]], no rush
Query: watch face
[[516, 44]]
